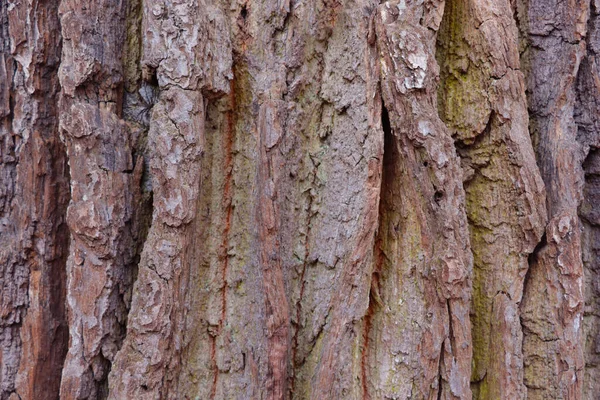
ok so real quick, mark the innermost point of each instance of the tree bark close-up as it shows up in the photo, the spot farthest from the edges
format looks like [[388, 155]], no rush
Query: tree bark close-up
[[299, 199]]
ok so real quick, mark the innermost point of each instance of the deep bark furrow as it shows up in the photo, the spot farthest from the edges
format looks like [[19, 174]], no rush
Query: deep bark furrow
[[423, 229], [375, 303], [227, 200]]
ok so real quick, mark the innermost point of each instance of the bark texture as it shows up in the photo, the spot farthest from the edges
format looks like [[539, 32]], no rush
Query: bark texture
[[34, 193], [552, 308], [420, 332], [286, 199], [483, 102]]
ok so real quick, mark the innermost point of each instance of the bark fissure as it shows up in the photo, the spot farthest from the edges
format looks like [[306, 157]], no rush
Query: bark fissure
[[231, 120], [422, 269], [305, 263], [375, 304], [440, 376]]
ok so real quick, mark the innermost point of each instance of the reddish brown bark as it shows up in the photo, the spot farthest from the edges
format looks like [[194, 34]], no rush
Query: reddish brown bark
[[313, 199], [33, 197]]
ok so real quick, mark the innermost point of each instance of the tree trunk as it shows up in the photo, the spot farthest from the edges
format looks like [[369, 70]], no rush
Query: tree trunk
[[285, 199]]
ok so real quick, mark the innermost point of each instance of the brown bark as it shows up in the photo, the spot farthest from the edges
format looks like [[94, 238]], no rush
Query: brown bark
[[484, 104], [587, 108], [286, 199], [104, 184], [420, 333], [33, 197], [552, 307]]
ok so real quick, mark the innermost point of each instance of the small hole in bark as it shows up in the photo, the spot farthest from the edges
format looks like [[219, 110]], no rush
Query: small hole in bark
[[425, 164], [389, 155], [244, 12], [385, 121], [150, 76], [144, 387], [438, 196]]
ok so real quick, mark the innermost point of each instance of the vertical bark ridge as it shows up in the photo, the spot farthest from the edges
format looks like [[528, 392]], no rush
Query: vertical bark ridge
[[150, 361], [350, 134], [482, 100], [426, 272], [270, 125], [276, 303], [306, 144], [209, 360], [105, 187], [587, 110], [33, 198], [590, 239], [552, 307]]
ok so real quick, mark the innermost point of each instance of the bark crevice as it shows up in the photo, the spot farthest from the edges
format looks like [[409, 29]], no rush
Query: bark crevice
[[375, 304]]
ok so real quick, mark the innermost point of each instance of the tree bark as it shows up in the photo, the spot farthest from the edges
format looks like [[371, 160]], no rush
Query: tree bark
[[284, 199]]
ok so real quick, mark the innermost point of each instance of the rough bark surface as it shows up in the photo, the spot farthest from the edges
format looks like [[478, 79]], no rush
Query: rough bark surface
[[34, 193], [285, 199], [104, 185], [552, 307], [420, 332], [483, 103]]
